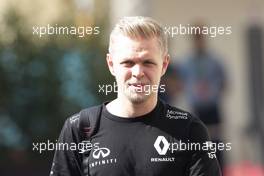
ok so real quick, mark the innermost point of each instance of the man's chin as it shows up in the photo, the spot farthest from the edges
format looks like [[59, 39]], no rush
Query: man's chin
[[138, 98]]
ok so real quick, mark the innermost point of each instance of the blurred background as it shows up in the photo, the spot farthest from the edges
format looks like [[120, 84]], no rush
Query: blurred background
[[43, 80]]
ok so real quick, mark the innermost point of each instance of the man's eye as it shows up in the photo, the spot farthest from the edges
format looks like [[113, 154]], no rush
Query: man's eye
[[149, 63], [127, 63]]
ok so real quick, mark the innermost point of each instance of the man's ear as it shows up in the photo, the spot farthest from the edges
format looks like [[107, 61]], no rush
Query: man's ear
[[166, 61], [110, 64]]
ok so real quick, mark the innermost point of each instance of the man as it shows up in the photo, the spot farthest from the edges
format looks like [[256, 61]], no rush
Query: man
[[137, 134]]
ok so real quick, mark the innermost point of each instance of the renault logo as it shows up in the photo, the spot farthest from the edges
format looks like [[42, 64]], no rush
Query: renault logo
[[166, 145]]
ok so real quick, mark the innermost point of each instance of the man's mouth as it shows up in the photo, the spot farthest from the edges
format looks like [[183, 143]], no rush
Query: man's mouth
[[137, 85]]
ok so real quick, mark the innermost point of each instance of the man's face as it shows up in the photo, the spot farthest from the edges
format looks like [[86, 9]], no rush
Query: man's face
[[137, 65]]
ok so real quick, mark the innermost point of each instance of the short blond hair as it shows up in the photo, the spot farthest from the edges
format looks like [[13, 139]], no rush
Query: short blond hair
[[140, 27]]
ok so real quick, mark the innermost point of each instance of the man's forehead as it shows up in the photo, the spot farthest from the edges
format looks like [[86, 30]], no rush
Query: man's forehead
[[126, 45], [133, 54]]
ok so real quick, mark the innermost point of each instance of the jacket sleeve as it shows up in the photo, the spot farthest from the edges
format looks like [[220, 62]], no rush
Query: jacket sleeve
[[67, 160], [202, 163]]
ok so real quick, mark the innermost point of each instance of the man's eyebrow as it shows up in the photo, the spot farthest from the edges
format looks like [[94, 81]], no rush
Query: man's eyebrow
[[126, 60], [137, 59], [148, 60]]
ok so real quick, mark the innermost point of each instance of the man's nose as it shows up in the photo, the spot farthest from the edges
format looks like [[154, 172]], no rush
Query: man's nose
[[137, 71]]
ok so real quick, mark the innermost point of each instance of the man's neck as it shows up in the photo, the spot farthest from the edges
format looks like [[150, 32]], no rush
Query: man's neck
[[125, 108]]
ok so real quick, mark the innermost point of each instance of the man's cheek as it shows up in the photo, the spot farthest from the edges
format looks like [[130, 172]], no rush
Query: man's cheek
[[152, 77], [125, 75]]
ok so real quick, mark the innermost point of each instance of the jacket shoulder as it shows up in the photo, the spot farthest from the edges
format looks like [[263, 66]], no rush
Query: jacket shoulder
[[175, 113], [180, 122], [73, 121]]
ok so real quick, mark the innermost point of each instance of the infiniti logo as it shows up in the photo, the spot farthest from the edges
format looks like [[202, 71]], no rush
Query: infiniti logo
[[104, 152], [100, 154], [166, 145]]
